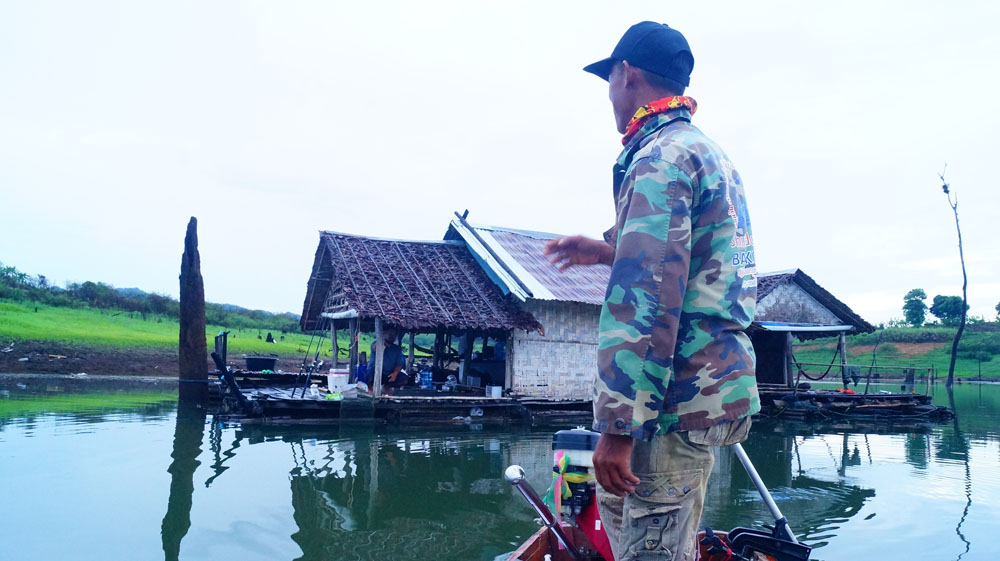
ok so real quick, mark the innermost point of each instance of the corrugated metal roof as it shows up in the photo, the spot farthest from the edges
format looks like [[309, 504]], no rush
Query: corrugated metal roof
[[528, 273]]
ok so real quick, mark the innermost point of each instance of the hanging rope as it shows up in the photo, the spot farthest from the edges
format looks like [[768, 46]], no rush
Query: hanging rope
[[798, 365], [870, 368]]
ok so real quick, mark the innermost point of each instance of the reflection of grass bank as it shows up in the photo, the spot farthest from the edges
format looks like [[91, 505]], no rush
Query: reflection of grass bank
[[19, 405]]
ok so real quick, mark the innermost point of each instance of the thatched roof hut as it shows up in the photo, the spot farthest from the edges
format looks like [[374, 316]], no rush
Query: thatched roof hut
[[413, 284]]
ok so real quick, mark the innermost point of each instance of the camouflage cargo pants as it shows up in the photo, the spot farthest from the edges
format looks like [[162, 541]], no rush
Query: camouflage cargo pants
[[660, 519]]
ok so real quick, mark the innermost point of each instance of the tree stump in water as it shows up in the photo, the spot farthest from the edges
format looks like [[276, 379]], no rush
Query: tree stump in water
[[193, 350]]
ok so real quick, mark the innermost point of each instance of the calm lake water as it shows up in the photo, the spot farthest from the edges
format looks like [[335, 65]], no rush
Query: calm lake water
[[113, 470]]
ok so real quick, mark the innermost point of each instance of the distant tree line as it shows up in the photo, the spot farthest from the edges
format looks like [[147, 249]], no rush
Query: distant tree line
[[20, 287], [983, 344], [948, 309]]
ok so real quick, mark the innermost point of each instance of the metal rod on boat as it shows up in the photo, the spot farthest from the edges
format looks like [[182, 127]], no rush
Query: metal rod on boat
[[779, 518], [515, 476]]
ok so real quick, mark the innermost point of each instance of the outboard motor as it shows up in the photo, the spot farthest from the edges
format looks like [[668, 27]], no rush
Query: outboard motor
[[572, 500], [573, 464], [572, 495]]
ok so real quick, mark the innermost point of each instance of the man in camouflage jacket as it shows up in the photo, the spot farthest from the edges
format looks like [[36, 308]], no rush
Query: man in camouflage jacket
[[676, 370]]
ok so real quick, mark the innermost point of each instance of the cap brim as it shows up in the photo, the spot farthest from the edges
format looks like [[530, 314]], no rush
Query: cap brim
[[601, 68]]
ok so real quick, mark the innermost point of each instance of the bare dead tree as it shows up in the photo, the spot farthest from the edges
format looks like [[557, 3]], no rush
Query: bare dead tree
[[965, 280]]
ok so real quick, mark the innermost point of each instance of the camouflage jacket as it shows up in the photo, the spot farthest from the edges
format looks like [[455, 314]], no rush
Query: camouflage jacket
[[672, 354]]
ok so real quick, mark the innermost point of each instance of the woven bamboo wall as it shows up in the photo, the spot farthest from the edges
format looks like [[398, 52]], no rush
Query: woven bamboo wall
[[561, 363]]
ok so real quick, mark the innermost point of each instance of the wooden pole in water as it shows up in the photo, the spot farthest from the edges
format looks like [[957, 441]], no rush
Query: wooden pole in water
[[842, 343], [192, 349]]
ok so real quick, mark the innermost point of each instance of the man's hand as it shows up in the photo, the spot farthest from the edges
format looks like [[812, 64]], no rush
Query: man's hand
[[611, 464], [578, 250]]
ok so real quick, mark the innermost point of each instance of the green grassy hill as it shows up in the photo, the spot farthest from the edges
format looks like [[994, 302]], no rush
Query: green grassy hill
[[918, 347], [90, 326]]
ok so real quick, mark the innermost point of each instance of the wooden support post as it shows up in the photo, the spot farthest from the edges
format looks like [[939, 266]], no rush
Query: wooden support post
[[409, 362], [436, 360], [466, 360], [192, 348], [842, 343], [790, 367], [335, 347], [379, 355], [508, 381], [353, 349]]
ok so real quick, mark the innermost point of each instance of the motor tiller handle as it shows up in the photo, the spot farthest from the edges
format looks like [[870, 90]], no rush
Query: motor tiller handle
[[515, 476], [780, 522]]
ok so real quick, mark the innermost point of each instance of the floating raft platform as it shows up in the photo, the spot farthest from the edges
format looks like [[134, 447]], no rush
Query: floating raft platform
[[290, 405], [815, 404], [419, 407]]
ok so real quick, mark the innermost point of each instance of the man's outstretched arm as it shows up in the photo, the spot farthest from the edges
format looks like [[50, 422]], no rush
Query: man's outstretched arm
[[579, 250]]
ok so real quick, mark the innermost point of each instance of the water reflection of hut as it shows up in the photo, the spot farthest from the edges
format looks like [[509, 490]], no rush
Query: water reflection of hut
[[400, 499]]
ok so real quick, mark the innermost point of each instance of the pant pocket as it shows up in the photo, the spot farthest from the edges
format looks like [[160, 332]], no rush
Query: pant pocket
[[657, 517]]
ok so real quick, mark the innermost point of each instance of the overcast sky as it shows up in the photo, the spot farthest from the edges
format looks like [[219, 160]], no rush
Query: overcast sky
[[270, 121]]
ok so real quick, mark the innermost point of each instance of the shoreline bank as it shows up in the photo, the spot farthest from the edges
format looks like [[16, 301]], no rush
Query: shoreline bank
[[60, 358]]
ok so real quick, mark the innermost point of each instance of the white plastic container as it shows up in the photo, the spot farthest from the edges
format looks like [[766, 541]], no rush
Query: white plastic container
[[495, 392], [336, 381]]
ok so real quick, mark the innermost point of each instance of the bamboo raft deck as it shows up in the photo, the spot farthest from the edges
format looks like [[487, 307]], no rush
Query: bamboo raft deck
[[781, 401], [290, 404]]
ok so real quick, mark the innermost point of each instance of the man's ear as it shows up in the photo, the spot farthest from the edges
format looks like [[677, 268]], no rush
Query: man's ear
[[631, 74]]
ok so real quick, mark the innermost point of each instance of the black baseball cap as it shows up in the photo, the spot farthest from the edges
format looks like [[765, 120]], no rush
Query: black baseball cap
[[654, 47]]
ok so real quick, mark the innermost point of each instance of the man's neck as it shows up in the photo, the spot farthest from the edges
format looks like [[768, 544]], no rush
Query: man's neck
[[649, 95]]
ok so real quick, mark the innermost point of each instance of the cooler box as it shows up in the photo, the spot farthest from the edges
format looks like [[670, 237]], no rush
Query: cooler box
[[495, 392]]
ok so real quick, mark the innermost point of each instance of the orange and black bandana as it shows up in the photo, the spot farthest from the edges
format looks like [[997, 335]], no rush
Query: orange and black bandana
[[645, 112]]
